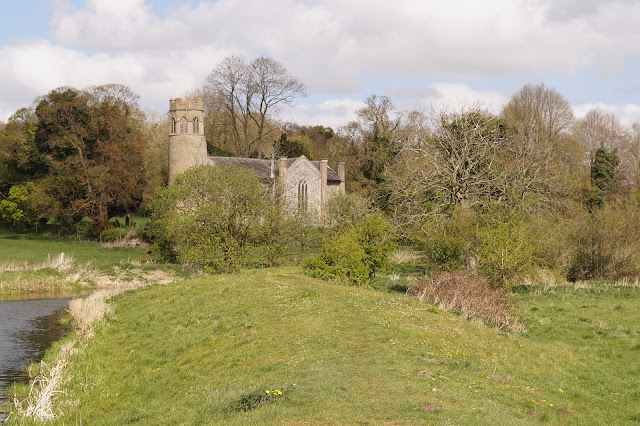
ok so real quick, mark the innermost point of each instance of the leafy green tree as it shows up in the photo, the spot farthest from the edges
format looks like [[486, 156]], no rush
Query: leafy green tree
[[94, 143], [18, 208], [211, 217], [605, 177], [375, 146], [294, 146], [21, 159]]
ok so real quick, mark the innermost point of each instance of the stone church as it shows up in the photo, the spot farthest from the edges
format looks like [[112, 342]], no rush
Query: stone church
[[301, 184]]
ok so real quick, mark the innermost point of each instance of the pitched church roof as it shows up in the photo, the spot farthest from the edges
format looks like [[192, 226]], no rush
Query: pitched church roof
[[266, 169]]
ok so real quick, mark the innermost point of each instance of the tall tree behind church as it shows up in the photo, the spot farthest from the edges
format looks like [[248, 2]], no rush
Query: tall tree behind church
[[250, 95]]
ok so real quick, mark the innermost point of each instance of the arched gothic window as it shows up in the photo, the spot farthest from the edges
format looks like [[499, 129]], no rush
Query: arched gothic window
[[303, 201], [183, 126], [173, 125], [196, 126]]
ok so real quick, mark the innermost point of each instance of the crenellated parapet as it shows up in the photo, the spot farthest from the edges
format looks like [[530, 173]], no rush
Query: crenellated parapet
[[179, 104]]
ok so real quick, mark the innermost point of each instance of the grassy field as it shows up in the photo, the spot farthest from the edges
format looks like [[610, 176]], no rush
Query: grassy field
[[32, 248], [30, 263], [272, 346]]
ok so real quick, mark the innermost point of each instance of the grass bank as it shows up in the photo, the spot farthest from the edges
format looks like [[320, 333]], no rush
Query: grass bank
[[271, 346]]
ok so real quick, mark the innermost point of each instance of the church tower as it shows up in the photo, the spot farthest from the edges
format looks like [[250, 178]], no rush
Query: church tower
[[187, 145]]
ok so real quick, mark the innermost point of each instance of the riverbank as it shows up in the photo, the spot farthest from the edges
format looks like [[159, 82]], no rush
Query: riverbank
[[28, 327], [272, 346]]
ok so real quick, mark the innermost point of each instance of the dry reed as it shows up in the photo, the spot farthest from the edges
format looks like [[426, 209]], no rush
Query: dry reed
[[44, 387], [403, 256], [470, 295], [61, 263]]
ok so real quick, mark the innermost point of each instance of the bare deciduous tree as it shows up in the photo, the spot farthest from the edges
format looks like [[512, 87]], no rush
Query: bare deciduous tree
[[600, 129], [544, 155], [250, 93], [634, 150], [272, 86], [542, 117], [459, 164]]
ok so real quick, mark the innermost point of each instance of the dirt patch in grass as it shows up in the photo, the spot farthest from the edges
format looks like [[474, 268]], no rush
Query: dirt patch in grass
[[429, 408]]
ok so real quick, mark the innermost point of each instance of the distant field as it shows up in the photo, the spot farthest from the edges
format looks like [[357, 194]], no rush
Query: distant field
[[139, 220], [271, 346], [16, 247]]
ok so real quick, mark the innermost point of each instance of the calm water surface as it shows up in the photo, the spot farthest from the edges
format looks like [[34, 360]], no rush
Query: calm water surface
[[28, 326]]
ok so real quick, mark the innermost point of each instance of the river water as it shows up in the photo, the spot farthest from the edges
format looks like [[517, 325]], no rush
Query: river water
[[28, 326]]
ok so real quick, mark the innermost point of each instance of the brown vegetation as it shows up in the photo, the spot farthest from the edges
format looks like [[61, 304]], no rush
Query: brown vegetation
[[470, 295]]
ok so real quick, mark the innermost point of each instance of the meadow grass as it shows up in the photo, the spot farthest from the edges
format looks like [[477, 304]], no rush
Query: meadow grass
[[34, 248], [207, 350], [30, 263]]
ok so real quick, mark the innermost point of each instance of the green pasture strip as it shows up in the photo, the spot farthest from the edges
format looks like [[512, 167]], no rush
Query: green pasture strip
[[18, 248]]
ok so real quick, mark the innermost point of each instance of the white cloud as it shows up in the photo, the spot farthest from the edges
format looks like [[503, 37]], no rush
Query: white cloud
[[332, 113], [438, 96], [34, 67], [627, 114], [329, 44]]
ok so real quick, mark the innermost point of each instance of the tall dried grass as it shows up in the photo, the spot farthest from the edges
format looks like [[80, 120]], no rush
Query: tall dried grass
[[61, 263], [403, 256], [44, 387], [470, 295]]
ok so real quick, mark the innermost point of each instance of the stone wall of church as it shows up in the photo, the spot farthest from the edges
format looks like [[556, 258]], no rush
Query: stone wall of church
[[299, 173]]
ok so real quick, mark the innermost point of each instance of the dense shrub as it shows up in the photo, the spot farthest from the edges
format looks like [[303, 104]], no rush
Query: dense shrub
[[471, 295], [448, 242], [113, 234], [211, 216], [507, 247], [354, 254], [445, 252], [342, 259], [606, 243], [500, 243]]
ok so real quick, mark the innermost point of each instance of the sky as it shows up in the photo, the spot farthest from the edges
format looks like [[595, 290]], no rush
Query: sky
[[423, 54]]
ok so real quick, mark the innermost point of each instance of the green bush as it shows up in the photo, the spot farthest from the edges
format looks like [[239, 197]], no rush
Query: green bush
[[448, 242], [112, 234], [499, 243], [506, 248], [211, 216], [446, 252], [354, 254], [342, 259]]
